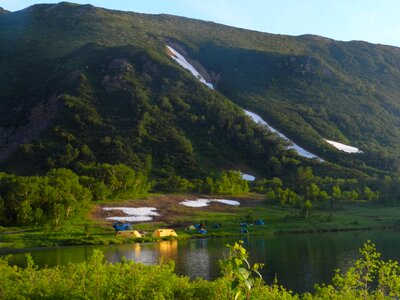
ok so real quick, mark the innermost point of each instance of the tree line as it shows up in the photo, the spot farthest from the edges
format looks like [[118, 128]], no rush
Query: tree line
[[62, 194]]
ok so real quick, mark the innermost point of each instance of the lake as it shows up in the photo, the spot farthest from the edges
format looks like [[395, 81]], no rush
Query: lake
[[297, 260]]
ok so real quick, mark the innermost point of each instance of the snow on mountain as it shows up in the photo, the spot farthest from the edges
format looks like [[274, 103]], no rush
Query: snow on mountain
[[301, 151], [248, 177], [343, 147], [185, 64]]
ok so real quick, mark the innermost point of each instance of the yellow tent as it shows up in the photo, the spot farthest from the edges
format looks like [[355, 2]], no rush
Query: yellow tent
[[129, 233], [164, 233]]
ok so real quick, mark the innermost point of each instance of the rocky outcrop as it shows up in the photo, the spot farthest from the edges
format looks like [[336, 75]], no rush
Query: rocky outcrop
[[114, 81], [39, 119]]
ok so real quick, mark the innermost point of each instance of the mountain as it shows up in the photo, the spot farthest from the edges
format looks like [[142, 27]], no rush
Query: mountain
[[3, 11], [81, 84]]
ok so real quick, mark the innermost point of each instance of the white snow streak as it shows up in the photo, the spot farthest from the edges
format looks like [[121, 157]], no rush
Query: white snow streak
[[131, 219], [134, 214], [196, 203], [206, 202], [248, 177], [228, 202], [301, 151], [343, 147], [185, 64]]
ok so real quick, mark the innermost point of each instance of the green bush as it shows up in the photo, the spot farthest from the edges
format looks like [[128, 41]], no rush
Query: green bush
[[368, 278]]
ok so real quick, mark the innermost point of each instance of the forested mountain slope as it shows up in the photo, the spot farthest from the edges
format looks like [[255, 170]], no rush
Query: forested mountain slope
[[80, 84]]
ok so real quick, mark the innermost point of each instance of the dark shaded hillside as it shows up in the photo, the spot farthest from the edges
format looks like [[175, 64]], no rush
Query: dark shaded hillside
[[346, 92], [130, 105], [83, 84]]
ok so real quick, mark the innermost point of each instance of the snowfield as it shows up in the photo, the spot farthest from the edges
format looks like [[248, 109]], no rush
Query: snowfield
[[134, 214], [301, 151], [206, 202], [248, 177], [185, 64], [343, 147]]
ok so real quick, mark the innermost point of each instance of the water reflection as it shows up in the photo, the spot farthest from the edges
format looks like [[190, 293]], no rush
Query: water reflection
[[197, 259], [149, 254], [298, 261], [168, 249]]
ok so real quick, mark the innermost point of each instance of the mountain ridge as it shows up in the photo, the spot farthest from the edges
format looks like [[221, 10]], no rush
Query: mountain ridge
[[310, 88]]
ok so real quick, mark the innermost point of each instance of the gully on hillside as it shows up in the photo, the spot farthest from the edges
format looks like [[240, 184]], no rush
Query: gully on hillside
[[181, 60]]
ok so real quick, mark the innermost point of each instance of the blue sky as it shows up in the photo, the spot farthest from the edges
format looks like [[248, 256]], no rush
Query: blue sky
[[376, 21]]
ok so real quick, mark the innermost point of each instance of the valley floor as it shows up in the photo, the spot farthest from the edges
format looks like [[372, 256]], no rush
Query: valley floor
[[96, 229]]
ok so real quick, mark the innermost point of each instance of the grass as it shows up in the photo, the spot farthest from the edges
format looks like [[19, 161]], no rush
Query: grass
[[90, 231], [281, 220]]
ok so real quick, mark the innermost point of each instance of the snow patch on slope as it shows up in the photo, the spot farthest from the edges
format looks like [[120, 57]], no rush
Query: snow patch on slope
[[134, 214], [248, 177], [206, 202], [343, 147], [185, 64], [301, 151], [180, 59]]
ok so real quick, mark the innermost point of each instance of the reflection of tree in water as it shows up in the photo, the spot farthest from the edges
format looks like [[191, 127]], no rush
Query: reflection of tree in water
[[346, 259], [197, 261]]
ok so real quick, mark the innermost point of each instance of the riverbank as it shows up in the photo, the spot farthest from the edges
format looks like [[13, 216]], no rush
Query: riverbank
[[96, 230]]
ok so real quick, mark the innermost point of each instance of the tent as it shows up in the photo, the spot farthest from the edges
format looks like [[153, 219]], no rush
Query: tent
[[164, 233], [129, 233], [119, 226]]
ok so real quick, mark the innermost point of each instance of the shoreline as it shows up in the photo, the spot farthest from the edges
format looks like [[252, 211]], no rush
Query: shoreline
[[9, 250]]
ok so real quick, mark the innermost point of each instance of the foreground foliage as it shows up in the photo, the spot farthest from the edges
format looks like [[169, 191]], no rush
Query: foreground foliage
[[368, 278]]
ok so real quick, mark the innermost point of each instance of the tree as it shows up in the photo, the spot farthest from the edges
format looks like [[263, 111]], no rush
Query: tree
[[304, 178], [368, 194], [270, 196], [68, 192], [239, 273], [336, 195], [368, 278], [306, 209]]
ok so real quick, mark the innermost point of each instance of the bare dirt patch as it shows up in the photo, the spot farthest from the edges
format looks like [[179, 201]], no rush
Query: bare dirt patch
[[170, 209]]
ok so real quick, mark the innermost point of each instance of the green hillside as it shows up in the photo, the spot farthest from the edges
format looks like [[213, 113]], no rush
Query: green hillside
[[81, 84]]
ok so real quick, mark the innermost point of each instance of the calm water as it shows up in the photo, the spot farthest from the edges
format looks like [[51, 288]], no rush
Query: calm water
[[298, 261]]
